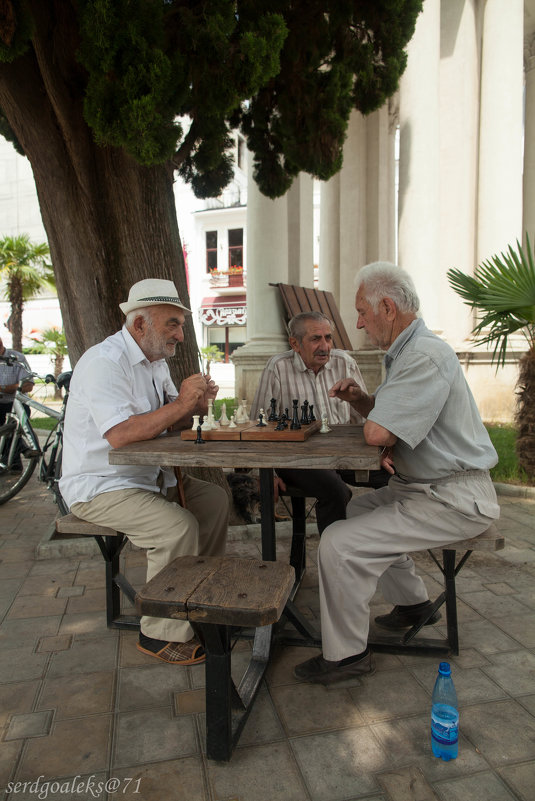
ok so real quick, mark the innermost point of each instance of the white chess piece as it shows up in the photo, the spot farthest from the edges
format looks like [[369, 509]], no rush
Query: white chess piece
[[211, 413], [244, 408], [324, 425], [232, 423], [196, 418], [223, 420]]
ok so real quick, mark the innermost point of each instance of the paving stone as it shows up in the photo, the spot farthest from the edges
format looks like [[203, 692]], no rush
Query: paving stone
[[474, 788], [515, 672], [407, 783], [158, 781], [32, 724], [501, 730], [153, 735], [150, 686], [84, 657], [16, 698], [73, 746], [78, 695], [50, 644], [262, 773], [521, 778]]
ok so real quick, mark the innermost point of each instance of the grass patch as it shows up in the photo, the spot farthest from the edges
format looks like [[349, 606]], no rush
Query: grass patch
[[43, 423], [507, 471]]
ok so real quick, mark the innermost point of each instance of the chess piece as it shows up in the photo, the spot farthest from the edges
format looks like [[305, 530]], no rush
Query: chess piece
[[324, 425], [241, 413], [232, 423], [311, 417], [211, 413], [199, 440], [295, 424], [304, 414], [223, 420], [273, 412], [261, 423], [281, 425], [196, 418], [244, 407]]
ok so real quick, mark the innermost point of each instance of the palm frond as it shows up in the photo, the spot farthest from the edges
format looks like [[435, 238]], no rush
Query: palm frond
[[502, 292]]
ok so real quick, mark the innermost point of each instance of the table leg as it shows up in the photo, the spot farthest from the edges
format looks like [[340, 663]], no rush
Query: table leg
[[267, 514]]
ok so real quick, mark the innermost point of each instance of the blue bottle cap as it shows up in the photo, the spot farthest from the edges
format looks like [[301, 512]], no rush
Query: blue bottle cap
[[444, 669]]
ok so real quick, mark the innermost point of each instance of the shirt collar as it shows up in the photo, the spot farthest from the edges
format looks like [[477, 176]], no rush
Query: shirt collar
[[401, 340], [135, 354]]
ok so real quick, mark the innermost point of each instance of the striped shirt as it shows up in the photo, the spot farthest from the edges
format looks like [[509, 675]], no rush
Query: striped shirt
[[285, 377]]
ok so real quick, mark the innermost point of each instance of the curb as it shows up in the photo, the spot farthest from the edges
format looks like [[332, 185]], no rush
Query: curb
[[515, 491]]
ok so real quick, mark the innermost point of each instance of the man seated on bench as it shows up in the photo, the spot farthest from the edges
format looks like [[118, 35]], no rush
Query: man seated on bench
[[121, 391], [307, 372], [425, 418]]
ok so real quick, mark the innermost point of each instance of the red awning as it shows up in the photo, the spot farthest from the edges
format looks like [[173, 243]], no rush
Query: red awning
[[224, 301]]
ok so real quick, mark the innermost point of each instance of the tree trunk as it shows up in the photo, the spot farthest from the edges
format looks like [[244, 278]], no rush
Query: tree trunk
[[16, 303], [110, 222]]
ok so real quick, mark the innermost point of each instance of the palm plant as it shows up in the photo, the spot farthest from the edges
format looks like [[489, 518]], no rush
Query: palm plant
[[53, 342], [502, 291], [25, 272]]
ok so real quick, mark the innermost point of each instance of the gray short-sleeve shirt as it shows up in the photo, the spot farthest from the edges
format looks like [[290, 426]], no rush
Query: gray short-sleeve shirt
[[426, 402]]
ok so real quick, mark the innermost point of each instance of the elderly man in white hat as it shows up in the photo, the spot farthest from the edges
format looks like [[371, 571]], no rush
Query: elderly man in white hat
[[121, 391]]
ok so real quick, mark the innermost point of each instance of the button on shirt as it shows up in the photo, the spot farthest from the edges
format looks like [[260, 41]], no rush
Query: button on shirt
[[13, 374], [286, 377], [111, 382], [426, 402]]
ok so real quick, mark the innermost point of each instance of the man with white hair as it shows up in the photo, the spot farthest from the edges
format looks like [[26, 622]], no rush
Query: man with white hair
[[121, 391], [424, 417]]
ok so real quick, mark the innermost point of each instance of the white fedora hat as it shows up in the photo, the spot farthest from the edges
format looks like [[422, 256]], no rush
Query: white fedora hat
[[152, 292]]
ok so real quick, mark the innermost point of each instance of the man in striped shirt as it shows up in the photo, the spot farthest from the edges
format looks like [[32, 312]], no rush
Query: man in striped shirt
[[307, 372]]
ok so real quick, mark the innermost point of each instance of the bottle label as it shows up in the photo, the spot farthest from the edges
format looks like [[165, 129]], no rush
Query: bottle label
[[445, 724]]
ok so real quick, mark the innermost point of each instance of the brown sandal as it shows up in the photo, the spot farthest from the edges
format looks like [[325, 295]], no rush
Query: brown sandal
[[179, 653]]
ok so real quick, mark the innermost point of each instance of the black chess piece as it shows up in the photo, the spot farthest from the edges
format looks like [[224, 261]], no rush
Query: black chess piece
[[273, 412], [304, 414], [261, 423], [199, 440], [281, 425], [295, 424], [311, 417]]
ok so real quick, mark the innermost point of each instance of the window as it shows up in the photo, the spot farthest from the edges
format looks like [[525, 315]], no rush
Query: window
[[211, 251], [235, 247]]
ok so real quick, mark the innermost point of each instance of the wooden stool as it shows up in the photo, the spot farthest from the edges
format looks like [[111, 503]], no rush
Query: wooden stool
[[111, 543], [489, 540], [217, 593]]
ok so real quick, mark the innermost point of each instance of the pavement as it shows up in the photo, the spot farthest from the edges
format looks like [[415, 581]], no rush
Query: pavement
[[84, 715]]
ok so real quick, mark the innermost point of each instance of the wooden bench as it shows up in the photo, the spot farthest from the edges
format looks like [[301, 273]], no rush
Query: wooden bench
[[216, 594], [111, 543], [446, 559]]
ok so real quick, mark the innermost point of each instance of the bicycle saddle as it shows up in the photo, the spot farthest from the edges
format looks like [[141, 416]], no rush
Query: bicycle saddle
[[64, 379]]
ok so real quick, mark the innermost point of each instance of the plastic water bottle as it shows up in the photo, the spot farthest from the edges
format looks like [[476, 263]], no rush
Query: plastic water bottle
[[444, 715]]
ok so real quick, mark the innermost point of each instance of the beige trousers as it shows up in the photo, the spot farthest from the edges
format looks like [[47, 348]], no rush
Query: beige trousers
[[156, 522], [369, 549]]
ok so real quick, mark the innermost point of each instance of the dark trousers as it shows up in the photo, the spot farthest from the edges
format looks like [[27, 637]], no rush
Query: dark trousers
[[330, 490]]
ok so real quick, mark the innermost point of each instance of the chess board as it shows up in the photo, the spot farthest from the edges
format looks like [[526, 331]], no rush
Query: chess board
[[251, 431]]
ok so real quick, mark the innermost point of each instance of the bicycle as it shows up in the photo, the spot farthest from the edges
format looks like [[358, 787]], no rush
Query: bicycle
[[20, 450]]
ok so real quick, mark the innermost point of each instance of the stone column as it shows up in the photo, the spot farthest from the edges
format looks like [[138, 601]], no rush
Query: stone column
[[419, 169], [279, 232], [459, 133], [529, 141], [500, 128]]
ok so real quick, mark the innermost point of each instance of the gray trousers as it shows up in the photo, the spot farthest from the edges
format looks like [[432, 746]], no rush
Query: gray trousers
[[155, 522], [369, 549]]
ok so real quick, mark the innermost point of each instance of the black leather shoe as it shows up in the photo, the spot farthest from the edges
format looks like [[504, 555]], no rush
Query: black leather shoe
[[403, 617], [320, 671]]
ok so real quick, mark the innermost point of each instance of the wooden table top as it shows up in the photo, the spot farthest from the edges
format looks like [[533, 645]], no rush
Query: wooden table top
[[343, 448]]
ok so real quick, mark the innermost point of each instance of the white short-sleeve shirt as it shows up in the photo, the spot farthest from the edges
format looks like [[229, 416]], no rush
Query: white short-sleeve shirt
[[111, 382]]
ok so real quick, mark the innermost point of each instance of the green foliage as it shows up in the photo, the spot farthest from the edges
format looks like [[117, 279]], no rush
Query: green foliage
[[508, 470], [231, 404], [168, 80], [24, 263], [16, 29], [502, 290], [51, 341], [211, 353]]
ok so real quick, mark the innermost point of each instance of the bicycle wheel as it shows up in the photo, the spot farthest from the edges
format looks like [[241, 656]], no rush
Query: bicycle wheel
[[13, 477]]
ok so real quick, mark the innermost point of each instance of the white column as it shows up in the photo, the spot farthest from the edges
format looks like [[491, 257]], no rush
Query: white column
[[381, 183], [529, 141], [419, 184], [459, 132], [500, 129], [277, 231], [301, 232]]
